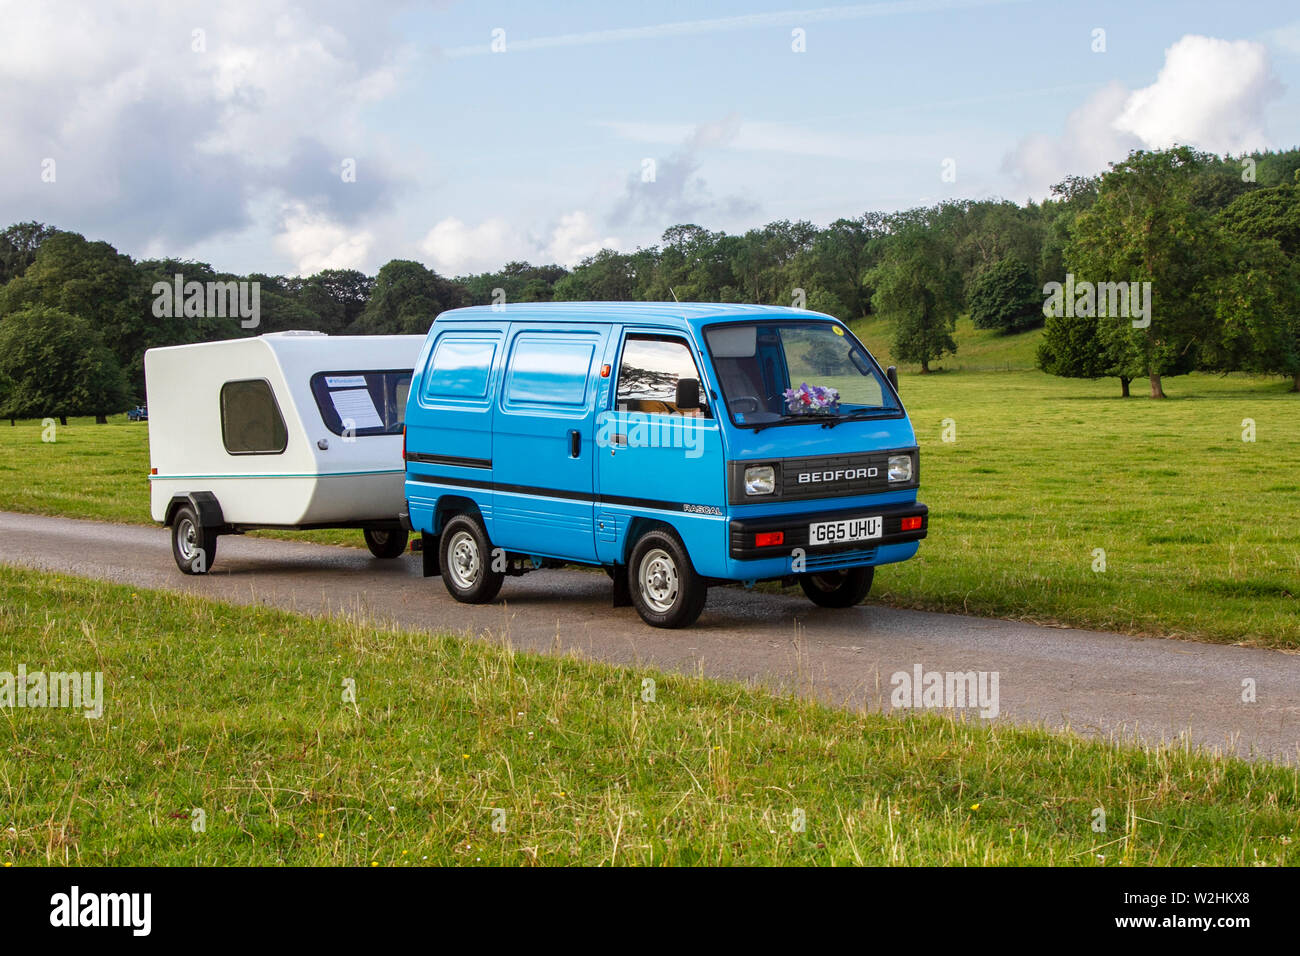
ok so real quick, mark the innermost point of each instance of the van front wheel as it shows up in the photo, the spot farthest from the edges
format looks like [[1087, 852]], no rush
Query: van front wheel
[[385, 544], [665, 588], [465, 556], [837, 588]]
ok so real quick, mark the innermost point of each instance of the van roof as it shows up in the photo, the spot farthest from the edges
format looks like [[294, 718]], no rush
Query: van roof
[[675, 314]]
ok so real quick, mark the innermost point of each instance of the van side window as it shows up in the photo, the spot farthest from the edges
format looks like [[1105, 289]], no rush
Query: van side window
[[648, 374], [251, 423], [460, 367], [549, 370]]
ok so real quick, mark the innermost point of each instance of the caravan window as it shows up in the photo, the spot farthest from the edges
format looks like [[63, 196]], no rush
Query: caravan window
[[251, 423], [362, 403]]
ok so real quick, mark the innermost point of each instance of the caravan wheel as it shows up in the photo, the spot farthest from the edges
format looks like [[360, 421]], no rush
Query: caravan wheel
[[193, 547], [385, 544]]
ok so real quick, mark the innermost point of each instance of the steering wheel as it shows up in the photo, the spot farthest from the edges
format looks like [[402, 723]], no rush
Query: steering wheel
[[745, 404]]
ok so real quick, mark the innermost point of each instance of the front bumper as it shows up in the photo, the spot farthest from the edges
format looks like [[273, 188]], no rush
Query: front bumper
[[794, 529]]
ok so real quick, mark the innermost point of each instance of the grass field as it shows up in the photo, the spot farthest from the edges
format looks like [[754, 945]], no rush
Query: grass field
[[1200, 530], [95, 471], [239, 712]]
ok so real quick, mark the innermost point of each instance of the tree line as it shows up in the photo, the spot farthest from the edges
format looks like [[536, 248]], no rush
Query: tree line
[[1216, 237]]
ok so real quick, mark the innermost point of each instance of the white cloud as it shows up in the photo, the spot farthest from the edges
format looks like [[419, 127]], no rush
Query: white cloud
[[575, 238], [1286, 38], [1210, 93], [165, 136], [1088, 143], [314, 242], [456, 248]]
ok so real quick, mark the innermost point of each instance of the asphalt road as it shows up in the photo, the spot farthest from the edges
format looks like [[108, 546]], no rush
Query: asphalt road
[[1097, 683]]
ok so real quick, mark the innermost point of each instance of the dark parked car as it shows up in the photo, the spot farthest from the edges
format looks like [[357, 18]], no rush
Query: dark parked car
[[138, 414]]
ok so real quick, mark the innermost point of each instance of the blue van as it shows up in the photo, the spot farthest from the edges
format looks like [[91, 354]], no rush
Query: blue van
[[674, 445]]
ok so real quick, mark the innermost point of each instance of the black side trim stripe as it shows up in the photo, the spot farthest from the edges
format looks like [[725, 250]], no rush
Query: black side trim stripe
[[651, 503], [449, 460]]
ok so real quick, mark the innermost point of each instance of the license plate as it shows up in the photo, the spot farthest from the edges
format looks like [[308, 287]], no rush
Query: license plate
[[851, 529]]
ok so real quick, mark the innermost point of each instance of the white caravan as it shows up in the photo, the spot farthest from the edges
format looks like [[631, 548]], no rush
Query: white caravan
[[286, 430]]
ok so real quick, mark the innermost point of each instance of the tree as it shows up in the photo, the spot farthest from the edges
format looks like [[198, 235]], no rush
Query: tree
[[519, 281], [917, 286], [1072, 347], [18, 246], [181, 329], [55, 364], [1256, 293], [407, 298], [1146, 227], [337, 297], [607, 276], [1006, 297], [93, 281]]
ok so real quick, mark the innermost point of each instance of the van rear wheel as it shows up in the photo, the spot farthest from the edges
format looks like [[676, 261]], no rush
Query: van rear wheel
[[843, 588], [465, 556], [385, 544], [193, 546], [666, 591]]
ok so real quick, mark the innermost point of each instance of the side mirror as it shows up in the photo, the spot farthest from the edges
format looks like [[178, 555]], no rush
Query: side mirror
[[891, 373], [688, 394]]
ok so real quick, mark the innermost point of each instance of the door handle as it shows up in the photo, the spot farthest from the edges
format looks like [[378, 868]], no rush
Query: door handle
[[575, 443], [619, 441]]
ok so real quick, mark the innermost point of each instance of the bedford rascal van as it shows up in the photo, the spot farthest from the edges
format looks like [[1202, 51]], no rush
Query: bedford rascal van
[[677, 446]]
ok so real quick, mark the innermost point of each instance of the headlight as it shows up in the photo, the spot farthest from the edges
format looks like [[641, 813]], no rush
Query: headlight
[[760, 480], [900, 467]]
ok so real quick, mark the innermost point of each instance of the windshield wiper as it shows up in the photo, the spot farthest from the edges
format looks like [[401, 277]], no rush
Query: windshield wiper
[[761, 425], [861, 413]]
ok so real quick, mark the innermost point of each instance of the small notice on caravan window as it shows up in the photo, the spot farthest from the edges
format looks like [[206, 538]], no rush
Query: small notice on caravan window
[[366, 403], [345, 381]]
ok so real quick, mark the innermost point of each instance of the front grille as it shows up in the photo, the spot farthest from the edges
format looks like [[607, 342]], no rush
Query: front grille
[[834, 477], [825, 476]]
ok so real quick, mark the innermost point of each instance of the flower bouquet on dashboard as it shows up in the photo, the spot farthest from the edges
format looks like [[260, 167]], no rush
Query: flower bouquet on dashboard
[[812, 400]]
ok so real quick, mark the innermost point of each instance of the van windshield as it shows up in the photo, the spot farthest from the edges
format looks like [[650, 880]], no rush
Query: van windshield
[[361, 403], [796, 371]]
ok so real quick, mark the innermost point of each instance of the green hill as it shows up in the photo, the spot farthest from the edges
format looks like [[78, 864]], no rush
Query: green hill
[[977, 349]]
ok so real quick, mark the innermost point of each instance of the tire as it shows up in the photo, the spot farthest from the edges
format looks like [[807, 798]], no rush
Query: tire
[[386, 544], [465, 557], [193, 546], [838, 588], [666, 591]]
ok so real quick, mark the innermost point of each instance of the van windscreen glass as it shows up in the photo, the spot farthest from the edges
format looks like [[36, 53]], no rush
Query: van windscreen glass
[[361, 403], [794, 371]]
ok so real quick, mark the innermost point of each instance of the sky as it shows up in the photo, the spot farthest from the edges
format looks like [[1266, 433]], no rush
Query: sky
[[287, 137]]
